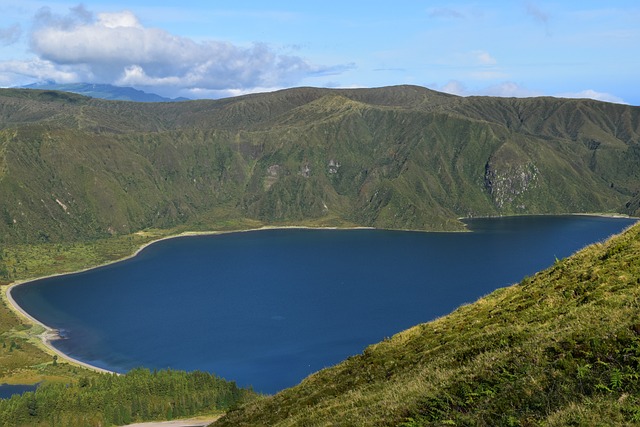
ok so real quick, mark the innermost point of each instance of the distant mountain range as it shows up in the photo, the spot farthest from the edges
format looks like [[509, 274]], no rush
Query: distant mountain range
[[404, 157], [104, 91]]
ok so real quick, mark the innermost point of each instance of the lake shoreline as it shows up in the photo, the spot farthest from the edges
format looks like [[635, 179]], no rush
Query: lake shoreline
[[49, 335], [593, 214]]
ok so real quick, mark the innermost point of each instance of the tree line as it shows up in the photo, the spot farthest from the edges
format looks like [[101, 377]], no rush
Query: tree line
[[110, 399]]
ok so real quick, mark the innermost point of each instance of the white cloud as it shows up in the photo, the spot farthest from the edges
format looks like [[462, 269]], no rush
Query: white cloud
[[10, 34], [38, 69], [514, 90], [453, 87], [483, 58], [120, 19], [117, 48], [509, 89], [199, 93], [504, 89], [592, 94]]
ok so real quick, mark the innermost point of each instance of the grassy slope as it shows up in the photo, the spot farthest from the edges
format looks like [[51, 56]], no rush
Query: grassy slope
[[560, 348]]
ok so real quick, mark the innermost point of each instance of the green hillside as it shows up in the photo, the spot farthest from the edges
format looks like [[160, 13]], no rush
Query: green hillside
[[560, 348], [84, 181], [74, 168]]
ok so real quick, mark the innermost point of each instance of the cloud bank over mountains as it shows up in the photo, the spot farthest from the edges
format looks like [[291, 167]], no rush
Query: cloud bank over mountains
[[117, 48], [513, 90], [213, 50]]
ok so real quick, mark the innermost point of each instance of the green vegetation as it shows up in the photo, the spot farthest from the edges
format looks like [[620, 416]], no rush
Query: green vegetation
[[87, 181], [23, 261], [560, 348], [115, 400], [76, 169], [73, 395]]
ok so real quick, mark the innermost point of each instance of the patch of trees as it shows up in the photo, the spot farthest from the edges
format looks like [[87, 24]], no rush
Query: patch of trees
[[110, 399]]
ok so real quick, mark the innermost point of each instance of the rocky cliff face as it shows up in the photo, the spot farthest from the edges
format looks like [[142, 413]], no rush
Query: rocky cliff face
[[509, 176], [632, 207]]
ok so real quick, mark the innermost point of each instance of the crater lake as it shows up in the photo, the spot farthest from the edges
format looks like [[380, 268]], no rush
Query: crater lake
[[267, 308]]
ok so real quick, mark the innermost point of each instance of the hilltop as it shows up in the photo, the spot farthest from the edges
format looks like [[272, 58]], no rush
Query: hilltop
[[73, 167], [560, 348]]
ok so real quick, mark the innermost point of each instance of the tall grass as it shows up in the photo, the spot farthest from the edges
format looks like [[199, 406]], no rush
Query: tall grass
[[559, 348]]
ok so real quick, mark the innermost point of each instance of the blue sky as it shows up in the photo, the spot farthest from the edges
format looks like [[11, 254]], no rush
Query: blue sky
[[224, 48]]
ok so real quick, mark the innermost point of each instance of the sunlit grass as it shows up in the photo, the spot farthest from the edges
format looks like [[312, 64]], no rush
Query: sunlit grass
[[561, 347]]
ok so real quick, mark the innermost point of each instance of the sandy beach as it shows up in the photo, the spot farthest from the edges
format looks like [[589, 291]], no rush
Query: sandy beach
[[48, 335], [190, 422]]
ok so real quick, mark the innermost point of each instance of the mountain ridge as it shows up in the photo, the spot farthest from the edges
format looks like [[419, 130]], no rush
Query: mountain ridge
[[400, 157]]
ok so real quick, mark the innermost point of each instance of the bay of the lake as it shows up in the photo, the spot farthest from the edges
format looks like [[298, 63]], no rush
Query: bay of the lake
[[8, 390], [267, 308]]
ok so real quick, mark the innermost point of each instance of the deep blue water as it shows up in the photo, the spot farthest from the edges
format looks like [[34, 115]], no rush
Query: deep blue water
[[267, 308]]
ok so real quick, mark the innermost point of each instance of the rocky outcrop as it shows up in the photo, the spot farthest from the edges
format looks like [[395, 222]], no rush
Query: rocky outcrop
[[508, 176]]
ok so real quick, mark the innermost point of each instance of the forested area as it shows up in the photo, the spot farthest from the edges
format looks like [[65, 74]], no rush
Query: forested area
[[112, 399]]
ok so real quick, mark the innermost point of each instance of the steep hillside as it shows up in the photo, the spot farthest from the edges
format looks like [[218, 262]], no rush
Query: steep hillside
[[560, 348], [73, 168]]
